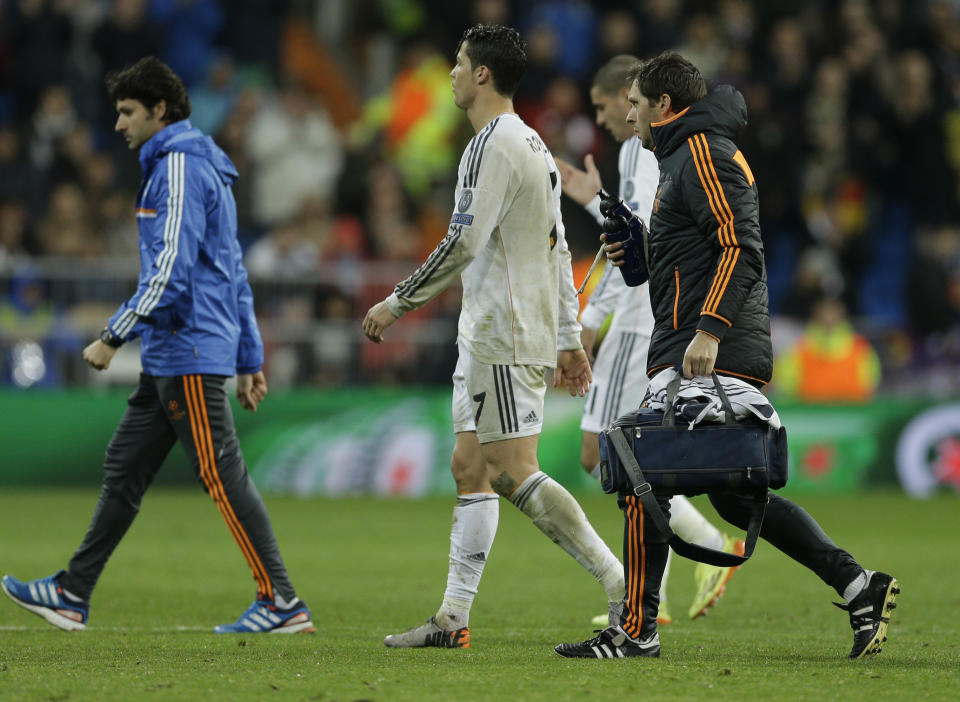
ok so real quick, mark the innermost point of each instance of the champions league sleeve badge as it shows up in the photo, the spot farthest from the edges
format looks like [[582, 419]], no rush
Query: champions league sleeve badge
[[460, 217]]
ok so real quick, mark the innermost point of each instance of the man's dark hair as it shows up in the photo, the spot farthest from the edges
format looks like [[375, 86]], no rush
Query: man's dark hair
[[672, 74], [149, 81], [614, 75], [499, 48]]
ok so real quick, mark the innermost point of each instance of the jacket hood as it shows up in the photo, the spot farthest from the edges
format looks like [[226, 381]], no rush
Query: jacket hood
[[184, 137], [723, 112]]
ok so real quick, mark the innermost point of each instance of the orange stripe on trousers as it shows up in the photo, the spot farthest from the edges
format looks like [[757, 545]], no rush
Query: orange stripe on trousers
[[256, 565], [203, 457], [635, 597], [203, 439]]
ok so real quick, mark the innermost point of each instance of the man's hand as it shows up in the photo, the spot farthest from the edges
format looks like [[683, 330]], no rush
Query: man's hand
[[251, 389], [378, 318], [581, 186], [573, 368], [700, 355], [588, 337], [614, 251], [99, 355]]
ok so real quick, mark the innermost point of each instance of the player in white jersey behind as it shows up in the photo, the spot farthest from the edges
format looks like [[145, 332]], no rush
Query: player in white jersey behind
[[518, 318], [620, 367]]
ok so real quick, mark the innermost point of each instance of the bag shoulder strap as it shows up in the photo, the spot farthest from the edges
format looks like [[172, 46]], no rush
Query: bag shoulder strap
[[643, 490]]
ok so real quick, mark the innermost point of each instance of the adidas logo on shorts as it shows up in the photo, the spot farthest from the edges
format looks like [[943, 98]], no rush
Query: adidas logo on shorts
[[530, 418]]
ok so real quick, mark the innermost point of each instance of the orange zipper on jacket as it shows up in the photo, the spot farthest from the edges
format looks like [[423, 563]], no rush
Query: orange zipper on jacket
[[676, 297]]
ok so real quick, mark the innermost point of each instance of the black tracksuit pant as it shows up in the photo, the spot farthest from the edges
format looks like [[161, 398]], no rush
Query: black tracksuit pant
[[785, 525], [194, 410]]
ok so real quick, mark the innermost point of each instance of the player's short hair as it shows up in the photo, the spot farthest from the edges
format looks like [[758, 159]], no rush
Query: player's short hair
[[499, 48], [614, 75], [672, 74], [149, 81]]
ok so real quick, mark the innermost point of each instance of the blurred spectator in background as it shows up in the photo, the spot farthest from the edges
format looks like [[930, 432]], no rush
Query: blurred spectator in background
[[18, 181], [934, 282], [214, 98], [283, 252], [573, 24], [188, 30], [415, 122], [126, 35], [831, 362], [39, 33], [703, 46], [16, 243], [295, 154], [66, 229], [54, 118]]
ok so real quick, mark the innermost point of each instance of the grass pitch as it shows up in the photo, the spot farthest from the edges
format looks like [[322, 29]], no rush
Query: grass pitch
[[371, 567]]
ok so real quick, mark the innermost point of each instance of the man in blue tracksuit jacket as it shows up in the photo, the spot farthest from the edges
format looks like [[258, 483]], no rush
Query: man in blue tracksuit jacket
[[193, 312]]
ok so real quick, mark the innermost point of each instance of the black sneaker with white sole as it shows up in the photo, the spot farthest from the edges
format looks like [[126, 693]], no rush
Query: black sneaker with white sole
[[870, 613], [611, 643]]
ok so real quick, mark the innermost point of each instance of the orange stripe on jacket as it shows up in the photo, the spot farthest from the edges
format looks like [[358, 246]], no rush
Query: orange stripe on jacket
[[742, 162], [708, 179], [732, 232], [714, 204], [711, 182], [204, 442]]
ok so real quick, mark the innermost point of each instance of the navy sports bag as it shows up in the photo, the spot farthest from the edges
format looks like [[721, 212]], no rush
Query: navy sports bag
[[645, 453]]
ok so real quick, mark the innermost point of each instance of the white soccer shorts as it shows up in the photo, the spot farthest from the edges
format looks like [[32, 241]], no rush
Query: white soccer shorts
[[497, 401], [619, 380]]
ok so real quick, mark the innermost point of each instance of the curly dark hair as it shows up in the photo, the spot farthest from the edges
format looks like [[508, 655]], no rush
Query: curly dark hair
[[499, 48], [149, 81], [672, 74]]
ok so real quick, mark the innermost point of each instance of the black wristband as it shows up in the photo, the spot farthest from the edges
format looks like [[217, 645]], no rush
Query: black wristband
[[107, 337]]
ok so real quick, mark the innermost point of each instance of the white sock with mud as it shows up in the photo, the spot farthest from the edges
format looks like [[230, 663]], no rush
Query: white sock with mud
[[561, 518], [690, 525], [663, 580], [475, 518]]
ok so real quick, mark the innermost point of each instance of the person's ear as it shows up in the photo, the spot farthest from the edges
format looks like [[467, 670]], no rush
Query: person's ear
[[160, 110], [483, 74]]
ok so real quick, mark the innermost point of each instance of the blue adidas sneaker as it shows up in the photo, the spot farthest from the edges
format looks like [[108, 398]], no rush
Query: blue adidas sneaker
[[45, 598], [264, 617]]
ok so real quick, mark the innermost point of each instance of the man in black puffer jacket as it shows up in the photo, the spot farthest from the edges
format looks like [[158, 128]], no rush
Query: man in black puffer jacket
[[708, 288]]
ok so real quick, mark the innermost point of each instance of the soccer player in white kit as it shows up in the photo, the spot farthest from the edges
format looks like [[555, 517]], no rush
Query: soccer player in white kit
[[620, 367], [518, 319]]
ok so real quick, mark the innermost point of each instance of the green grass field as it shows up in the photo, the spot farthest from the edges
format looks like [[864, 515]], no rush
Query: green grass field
[[369, 567]]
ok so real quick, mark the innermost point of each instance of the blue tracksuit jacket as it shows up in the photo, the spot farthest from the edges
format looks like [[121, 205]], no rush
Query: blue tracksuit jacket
[[193, 308]]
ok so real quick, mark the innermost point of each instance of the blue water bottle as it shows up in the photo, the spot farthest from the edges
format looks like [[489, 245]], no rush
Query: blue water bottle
[[621, 224]]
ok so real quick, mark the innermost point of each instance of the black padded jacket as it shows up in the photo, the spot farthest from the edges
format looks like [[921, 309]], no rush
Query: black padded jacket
[[705, 254]]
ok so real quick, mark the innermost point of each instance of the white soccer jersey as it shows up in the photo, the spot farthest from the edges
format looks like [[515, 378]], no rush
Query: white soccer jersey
[[506, 240], [639, 176], [620, 369]]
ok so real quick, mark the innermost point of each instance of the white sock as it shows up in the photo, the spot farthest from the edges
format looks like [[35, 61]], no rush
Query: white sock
[[595, 473], [561, 518], [690, 525], [475, 519], [283, 603], [70, 596], [856, 585], [666, 574]]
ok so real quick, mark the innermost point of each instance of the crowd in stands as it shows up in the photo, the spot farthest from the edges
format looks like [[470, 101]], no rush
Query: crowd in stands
[[339, 117]]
